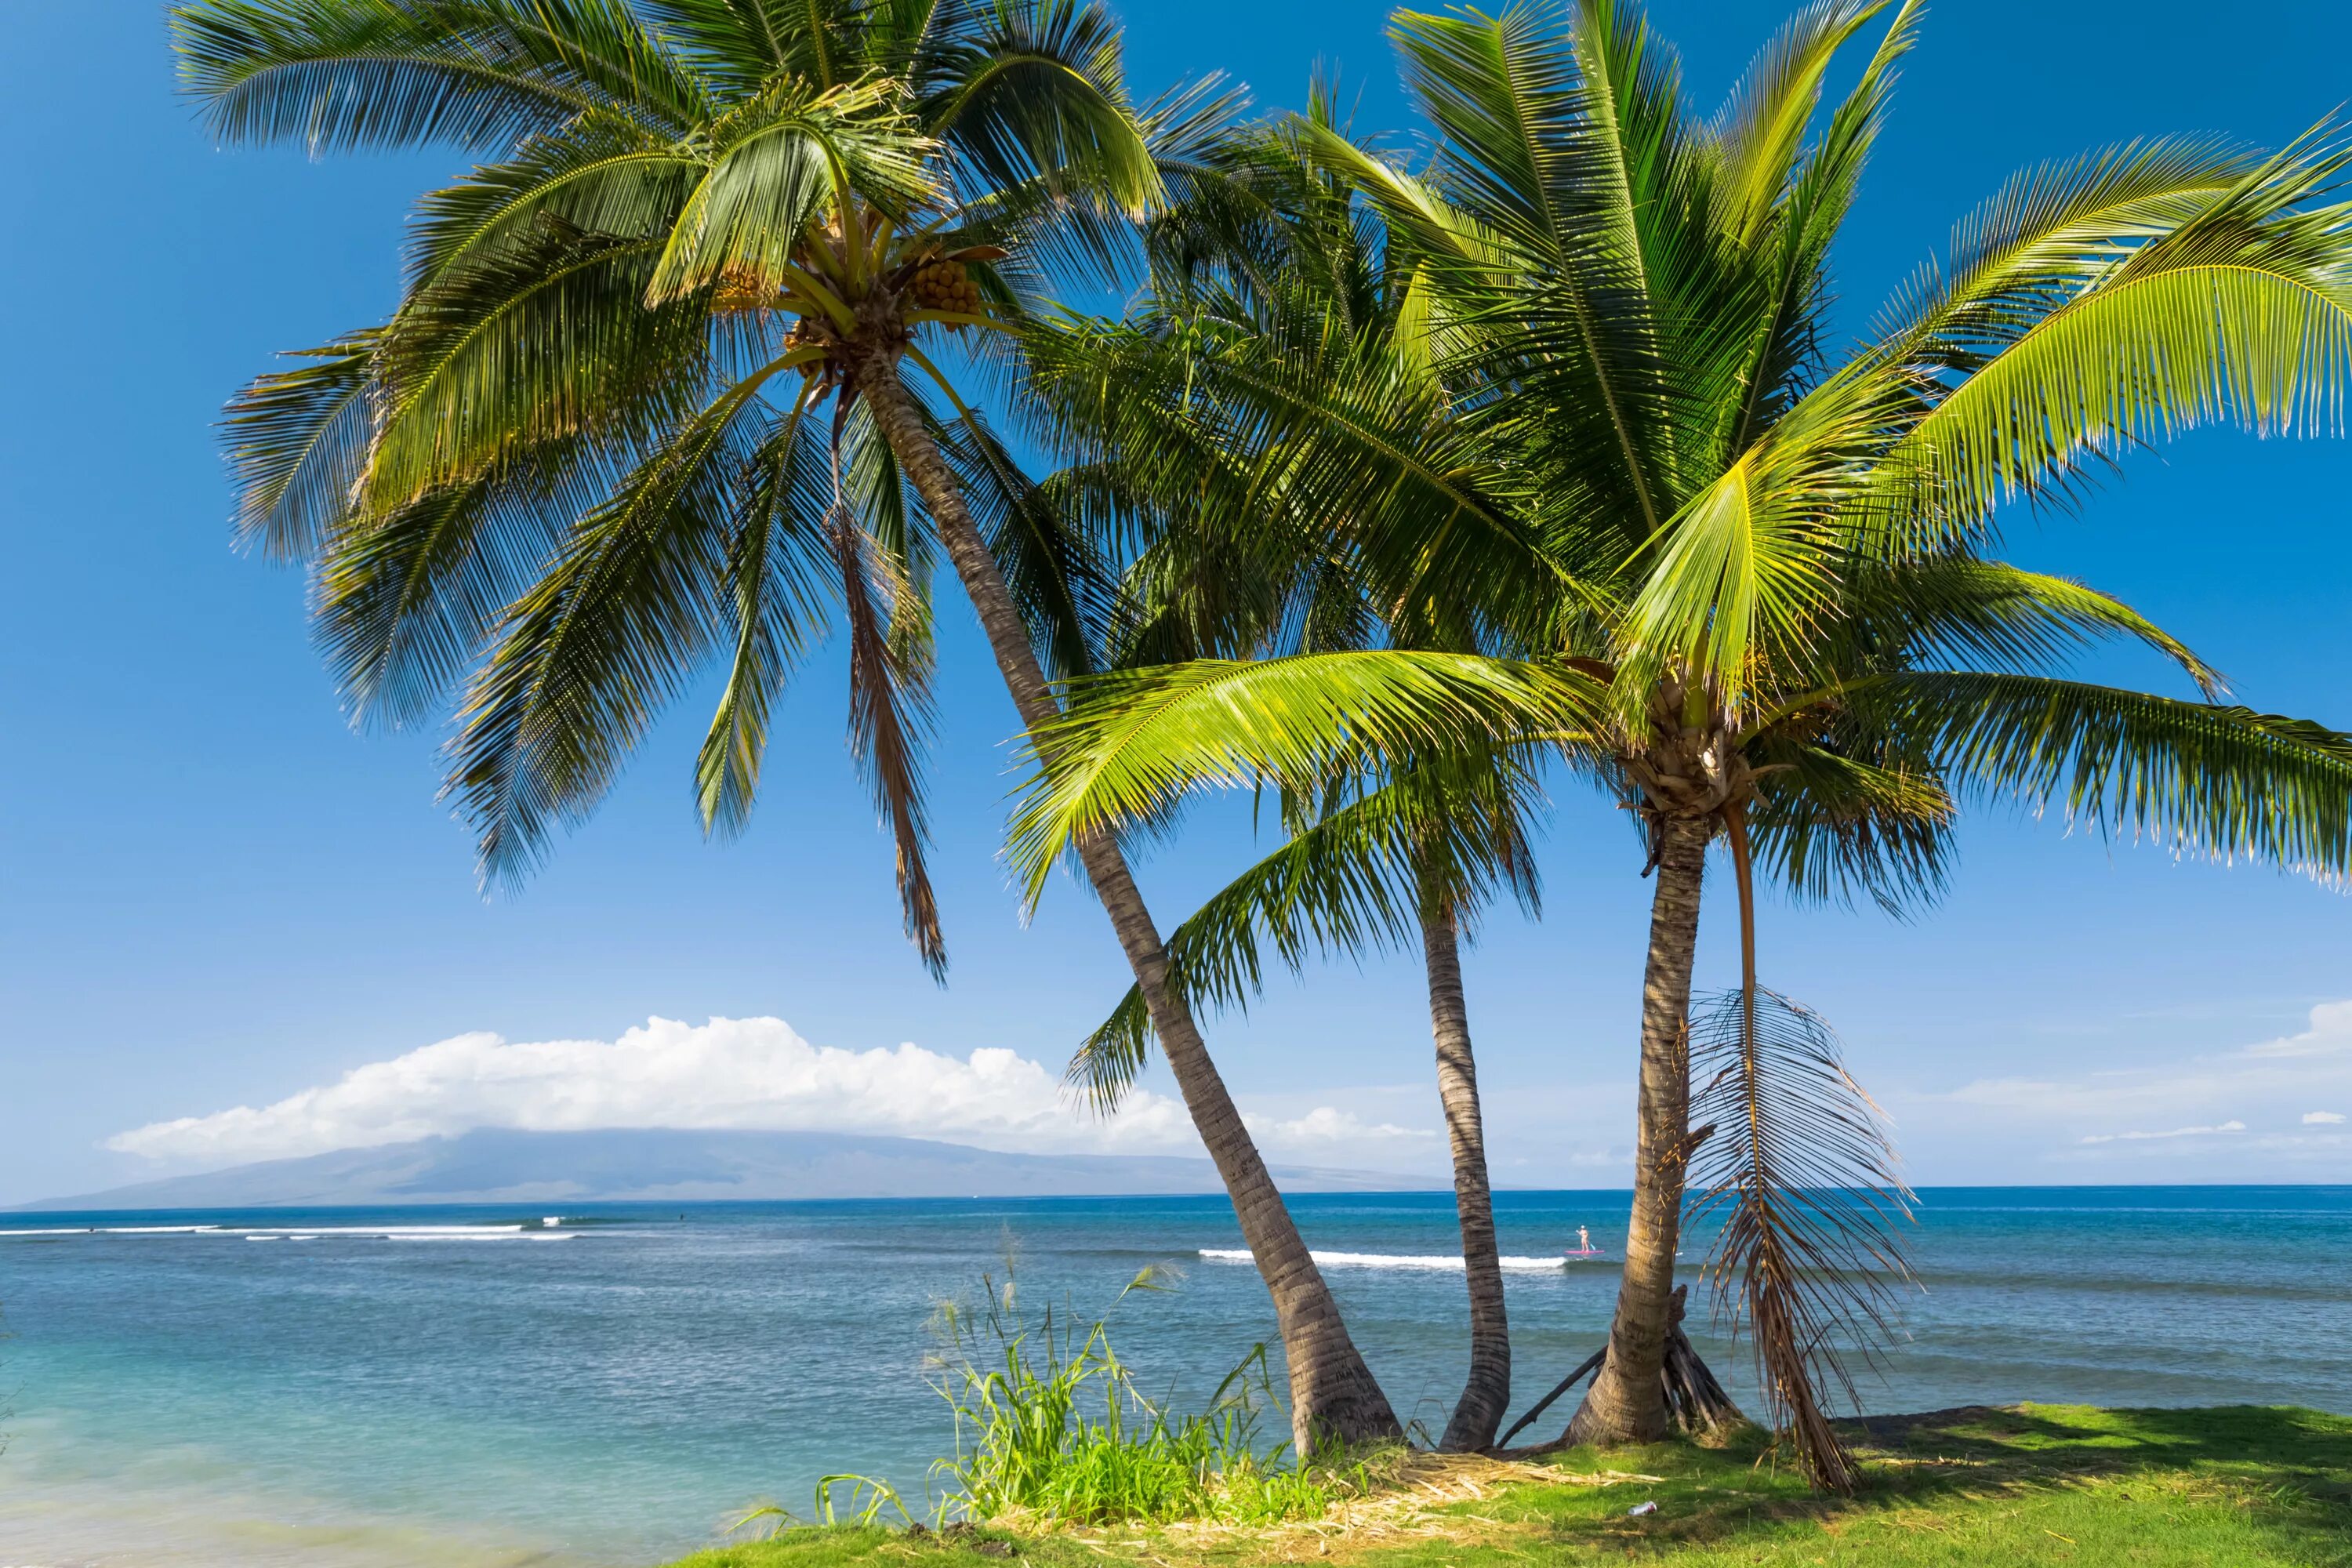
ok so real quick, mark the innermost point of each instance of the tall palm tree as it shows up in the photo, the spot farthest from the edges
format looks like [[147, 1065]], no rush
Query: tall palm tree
[[1767, 613], [1272, 247], [656, 392]]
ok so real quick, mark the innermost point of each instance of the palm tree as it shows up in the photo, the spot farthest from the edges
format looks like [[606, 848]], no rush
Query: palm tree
[[651, 398], [1766, 611], [1273, 248]]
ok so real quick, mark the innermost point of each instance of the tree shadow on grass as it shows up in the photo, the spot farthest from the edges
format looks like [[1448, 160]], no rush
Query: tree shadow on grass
[[2293, 1466]]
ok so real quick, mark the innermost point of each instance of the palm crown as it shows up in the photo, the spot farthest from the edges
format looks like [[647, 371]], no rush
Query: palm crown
[[584, 458]]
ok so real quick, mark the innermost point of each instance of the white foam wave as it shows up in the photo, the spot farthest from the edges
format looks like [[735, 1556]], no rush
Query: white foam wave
[[115, 1230], [411, 1233], [1432, 1260], [317, 1233]]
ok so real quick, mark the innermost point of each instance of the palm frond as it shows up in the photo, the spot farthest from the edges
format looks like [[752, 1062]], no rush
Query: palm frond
[[604, 176], [1798, 1176], [742, 46], [404, 597], [602, 639], [1998, 616], [778, 561], [1131, 744], [779, 164], [2053, 227], [1843, 816], [1355, 880], [1742, 567], [2242, 313], [1762, 129], [298, 441], [393, 73], [2211, 780], [538, 342], [890, 721], [1550, 137], [1034, 89]]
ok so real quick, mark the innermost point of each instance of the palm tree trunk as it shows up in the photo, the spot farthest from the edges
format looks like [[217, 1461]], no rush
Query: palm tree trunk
[[1486, 1394], [1627, 1402], [1333, 1396]]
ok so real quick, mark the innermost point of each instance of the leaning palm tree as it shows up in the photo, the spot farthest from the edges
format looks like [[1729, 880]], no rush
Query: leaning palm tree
[[661, 386], [1767, 613]]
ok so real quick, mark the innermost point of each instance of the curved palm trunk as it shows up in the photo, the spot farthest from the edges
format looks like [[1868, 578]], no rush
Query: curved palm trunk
[[1333, 1397], [1627, 1402], [1486, 1394]]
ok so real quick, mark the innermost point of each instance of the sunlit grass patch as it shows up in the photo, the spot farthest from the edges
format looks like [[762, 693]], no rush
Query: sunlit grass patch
[[2035, 1485]]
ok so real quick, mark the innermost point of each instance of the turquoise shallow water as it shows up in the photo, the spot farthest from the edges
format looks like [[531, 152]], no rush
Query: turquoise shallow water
[[614, 1390]]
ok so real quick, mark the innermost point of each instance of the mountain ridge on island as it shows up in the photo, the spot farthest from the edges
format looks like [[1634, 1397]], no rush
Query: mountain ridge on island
[[492, 1165]]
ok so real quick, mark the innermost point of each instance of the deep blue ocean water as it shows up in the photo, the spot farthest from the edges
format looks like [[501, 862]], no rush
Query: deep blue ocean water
[[615, 1389]]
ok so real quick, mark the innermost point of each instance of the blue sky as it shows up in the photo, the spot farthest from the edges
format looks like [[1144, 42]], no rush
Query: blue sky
[[217, 894]]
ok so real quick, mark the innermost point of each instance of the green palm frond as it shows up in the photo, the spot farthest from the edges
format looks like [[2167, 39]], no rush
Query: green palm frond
[[775, 568], [1832, 825], [399, 72], [741, 46], [1767, 337], [298, 440], [1269, 444], [608, 633], [2051, 230], [1034, 89], [1762, 130], [1354, 881], [603, 175], [1551, 136], [541, 342], [404, 599], [780, 164], [1135, 742], [2208, 779], [1999, 616], [1742, 567], [1797, 1172], [2242, 313]]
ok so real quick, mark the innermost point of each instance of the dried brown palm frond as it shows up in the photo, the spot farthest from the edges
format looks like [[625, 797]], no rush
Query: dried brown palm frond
[[889, 716], [1800, 1175]]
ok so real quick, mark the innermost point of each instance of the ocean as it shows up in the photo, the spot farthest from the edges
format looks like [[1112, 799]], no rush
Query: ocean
[[471, 1388]]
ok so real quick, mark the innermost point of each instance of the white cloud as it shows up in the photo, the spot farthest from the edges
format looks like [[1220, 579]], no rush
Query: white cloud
[[1324, 1124], [2176, 1133], [2330, 1035], [2323, 1119], [2257, 1084], [746, 1073]]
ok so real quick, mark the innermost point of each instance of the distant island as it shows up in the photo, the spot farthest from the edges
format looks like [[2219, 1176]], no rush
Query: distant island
[[493, 1165]]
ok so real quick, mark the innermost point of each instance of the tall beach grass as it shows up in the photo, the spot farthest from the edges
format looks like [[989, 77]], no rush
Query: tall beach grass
[[1052, 1427]]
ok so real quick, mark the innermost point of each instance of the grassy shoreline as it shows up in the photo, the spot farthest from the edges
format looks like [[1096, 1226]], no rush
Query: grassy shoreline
[[2057, 1484]]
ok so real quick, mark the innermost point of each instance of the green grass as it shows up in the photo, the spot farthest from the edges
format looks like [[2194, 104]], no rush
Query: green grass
[[1052, 1430], [2033, 1485]]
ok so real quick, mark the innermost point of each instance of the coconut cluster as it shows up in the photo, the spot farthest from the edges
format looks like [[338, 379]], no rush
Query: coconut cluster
[[946, 286]]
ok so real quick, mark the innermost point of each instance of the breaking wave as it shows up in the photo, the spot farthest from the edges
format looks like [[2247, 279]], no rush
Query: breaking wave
[[1430, 1260]]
